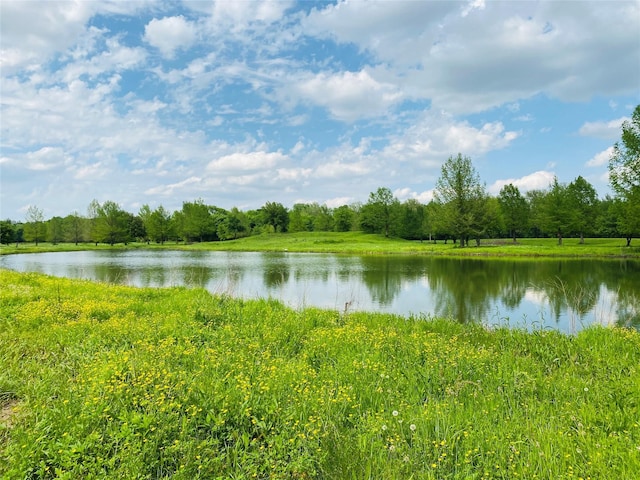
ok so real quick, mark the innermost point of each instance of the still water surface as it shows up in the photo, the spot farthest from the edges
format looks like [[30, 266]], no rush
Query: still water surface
[[563, 294]]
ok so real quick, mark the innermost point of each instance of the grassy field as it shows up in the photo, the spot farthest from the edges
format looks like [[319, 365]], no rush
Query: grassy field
[[366, 244], [105, 381]]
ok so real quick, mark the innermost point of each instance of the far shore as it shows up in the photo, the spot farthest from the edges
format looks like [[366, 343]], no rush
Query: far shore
[[358, 243]]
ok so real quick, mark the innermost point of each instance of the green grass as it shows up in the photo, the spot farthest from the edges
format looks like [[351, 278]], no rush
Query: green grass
[[106, 381], [367, 244]]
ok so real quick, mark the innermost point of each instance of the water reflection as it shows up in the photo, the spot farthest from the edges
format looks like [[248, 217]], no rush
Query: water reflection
[[561, 294]]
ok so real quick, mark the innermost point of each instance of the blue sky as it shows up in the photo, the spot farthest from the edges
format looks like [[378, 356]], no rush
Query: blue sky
[[243, 102]]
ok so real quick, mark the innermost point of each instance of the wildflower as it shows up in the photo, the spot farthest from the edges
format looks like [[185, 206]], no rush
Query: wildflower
[[384, 427], [412, 427], [394, 413]]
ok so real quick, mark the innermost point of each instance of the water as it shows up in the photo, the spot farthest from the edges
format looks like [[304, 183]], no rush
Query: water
[[561, 294]]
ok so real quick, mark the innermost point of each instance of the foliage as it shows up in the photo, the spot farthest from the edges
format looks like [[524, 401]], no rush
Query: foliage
[[463, 197], [34, 230], [514, 209], [624, 164], [583, 201], [7, 232], [275, 215], [111, 223], [103, 381], [380, 213]]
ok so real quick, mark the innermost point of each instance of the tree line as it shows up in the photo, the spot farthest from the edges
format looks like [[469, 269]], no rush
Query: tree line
[[461, 211]]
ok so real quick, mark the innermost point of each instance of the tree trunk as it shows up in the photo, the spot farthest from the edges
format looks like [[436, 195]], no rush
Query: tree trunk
[[628, 241], [559, 238]]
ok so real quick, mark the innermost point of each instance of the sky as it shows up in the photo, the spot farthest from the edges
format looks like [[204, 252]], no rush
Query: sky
[[239, 103]]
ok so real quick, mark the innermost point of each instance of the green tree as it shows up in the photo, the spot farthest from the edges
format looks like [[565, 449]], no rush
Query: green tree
[[275, 215], [462, 195], [7, 232], [557, 210], [629, 215], [55, 230], [412, 220], [112, 224], [583, 203], [34, 229], [74, 228], [196, 222], [514, 209], [624, 175], [343, 218], [322, 218], [158, 223], [624, 164], [300, 218], [380, 213], [234, 224]]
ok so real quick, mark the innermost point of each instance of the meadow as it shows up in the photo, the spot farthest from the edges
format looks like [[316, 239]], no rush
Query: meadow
[[105, 381], [359, 243]]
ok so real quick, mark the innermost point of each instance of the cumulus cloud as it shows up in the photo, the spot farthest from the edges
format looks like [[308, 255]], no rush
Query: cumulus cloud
[[605, 130], [246, 161], [600, 159], [534, 181], [349, 95], [451, 58], [170, 34]]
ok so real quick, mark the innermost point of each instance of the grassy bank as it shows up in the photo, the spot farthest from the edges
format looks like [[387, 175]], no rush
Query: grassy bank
[[104, 381], [367, 244]]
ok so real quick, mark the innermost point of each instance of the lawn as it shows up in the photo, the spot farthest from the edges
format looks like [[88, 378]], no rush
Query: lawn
[[368, 244]]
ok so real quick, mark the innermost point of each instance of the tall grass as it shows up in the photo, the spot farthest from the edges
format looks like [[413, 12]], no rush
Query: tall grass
[[105, 381]]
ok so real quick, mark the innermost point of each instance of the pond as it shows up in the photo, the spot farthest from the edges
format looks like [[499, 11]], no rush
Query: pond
[[562, 294]]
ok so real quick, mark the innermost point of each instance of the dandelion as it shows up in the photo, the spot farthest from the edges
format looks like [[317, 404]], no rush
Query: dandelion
[[384, 427], [395, 413], [412, 427]]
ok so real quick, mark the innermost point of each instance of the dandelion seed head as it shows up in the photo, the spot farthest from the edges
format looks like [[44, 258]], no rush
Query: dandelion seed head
[[395, 413], [412, 427]]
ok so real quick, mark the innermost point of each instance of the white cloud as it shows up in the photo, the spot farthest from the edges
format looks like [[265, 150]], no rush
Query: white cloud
[[436, 53], [338, 202], [434, 138], [534, 181], [601, 158], [338, 169], [407, 193], [170, 34], [606, 130], [349, 96], [246, 161]]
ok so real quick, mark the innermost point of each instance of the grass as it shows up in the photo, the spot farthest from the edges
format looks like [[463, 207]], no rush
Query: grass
[[105, 381], [367, 244]]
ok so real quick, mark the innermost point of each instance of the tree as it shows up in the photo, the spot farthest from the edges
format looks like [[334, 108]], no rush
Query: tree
[[583, 203], [7, 232], [55, 230], [157, 223], [381, 211], [462, 196], [343, 218], [73, 227], [112, 224], [34, 228], [624, 175], [275, 215], [234, 223], [624, 164], [514, 209], [196, 221], [412, 220], [557, 214]]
